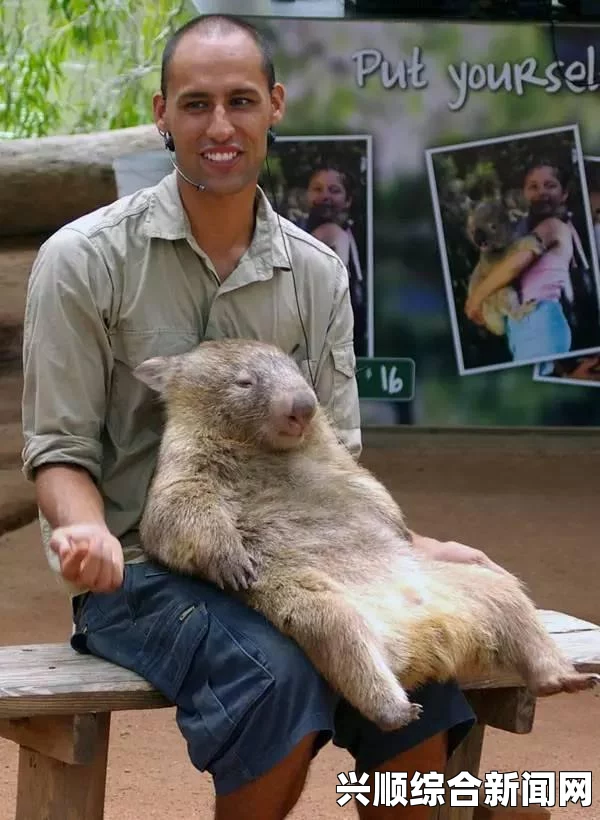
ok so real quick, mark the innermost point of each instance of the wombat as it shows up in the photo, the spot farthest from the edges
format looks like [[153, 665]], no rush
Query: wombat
[[254, 492], [489, 228]]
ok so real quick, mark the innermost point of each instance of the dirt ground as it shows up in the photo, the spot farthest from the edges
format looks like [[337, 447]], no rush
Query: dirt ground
[[529, 501]]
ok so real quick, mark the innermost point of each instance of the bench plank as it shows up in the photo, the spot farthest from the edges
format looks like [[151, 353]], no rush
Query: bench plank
[[53, 679]]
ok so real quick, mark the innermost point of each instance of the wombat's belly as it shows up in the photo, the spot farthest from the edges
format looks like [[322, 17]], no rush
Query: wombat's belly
[[345, 546], [438, 621]]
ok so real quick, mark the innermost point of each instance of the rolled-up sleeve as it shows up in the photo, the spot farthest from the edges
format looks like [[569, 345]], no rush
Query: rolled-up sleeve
[[67, 358], [338, 368]]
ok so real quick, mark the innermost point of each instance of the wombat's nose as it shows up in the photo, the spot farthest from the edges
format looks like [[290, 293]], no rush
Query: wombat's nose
[[303, 408]]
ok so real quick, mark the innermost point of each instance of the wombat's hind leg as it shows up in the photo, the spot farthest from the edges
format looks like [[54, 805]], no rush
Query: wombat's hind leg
[[343, 648], [538, 658], [568, 680]]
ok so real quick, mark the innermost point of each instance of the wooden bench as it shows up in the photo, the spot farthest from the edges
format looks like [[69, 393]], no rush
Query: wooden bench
[[56, 705]]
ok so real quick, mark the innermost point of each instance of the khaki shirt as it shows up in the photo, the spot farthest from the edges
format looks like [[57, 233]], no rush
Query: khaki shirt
[[128, 282]]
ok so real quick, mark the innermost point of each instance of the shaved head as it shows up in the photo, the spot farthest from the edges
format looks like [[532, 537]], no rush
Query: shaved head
[[217, 26]]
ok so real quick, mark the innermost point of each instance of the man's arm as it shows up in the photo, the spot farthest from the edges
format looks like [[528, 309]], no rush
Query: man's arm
[[89, 556], [338, 368], [67, 495], [67, 365], [452, 551]]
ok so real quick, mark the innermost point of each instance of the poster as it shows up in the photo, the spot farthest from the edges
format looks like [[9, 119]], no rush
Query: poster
[[324, 185], [480, 137]]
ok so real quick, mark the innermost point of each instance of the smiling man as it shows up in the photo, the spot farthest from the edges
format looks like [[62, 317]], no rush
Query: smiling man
[[200, 255]]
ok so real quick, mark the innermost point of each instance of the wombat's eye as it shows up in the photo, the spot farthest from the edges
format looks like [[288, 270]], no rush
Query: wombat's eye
[[244, 382]]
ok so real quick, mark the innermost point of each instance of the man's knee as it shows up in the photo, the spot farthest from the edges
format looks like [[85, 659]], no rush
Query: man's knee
[[428, 755], [272, 795]]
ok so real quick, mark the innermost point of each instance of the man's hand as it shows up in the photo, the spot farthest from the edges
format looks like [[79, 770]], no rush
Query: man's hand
[[90, 556], [454, 551]]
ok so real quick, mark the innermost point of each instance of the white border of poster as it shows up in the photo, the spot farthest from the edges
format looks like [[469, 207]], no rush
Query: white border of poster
[[443, 251], [369, 256]]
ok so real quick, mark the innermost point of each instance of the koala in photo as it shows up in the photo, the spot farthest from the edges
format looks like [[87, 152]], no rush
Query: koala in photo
[[490, 229]]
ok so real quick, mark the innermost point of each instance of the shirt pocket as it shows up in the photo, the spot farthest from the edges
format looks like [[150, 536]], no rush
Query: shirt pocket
[[344, 361], [343, 396]]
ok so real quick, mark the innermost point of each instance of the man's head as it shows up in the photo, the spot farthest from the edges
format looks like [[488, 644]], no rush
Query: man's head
[[218, 99]]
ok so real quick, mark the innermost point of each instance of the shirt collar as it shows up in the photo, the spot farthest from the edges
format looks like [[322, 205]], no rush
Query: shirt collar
[[167, 219]]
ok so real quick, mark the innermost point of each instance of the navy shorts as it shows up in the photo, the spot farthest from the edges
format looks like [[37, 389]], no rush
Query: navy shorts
[[245, 694]]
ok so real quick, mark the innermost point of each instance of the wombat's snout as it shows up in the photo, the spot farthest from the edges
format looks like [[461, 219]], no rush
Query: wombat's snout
[[297, 415], [303, 409]]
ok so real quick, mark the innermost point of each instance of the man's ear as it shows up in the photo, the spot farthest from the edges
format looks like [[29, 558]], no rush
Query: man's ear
[[278, 103], [158, 109], [156, 372]]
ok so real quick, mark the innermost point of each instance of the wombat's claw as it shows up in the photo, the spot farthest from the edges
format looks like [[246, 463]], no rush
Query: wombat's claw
[[247, 576], [399, 715], [240, 575]]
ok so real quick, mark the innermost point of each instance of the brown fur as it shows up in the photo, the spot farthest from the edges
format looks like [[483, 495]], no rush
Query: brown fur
[[490, 230], [300, 531]]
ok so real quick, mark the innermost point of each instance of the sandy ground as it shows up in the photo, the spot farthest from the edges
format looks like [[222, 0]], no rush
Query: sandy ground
[[529, 502]]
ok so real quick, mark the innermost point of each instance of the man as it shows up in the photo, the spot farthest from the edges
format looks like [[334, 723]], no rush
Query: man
[[153, 274]]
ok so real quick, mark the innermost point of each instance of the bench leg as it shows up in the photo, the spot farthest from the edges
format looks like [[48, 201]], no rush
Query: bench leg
[[511, 710], [50, 789], [466, 758]]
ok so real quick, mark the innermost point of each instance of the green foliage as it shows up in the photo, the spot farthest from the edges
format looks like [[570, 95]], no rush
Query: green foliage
[[73, 66]]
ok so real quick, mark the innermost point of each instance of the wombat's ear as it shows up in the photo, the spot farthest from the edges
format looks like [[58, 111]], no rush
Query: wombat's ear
[[155, 372]]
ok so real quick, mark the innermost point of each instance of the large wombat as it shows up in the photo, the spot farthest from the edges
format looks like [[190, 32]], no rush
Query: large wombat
[[253, 491], [489, 228]]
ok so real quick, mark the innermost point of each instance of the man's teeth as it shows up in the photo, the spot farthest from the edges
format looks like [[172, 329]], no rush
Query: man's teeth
[[221, 157]]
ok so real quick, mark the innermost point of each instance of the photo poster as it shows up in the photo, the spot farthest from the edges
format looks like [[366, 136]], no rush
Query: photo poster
[[431, 156]]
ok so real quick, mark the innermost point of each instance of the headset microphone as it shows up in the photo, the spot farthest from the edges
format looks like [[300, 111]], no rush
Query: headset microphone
[[197, 185], [170, 146]]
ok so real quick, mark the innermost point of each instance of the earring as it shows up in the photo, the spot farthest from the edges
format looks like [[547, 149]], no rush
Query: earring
[[271, 137], [169, 144]]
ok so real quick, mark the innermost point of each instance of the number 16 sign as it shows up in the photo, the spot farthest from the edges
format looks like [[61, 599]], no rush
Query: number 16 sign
[[386, 379]]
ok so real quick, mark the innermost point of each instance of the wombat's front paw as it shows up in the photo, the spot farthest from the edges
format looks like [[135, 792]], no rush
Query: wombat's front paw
[[233, 568], [398, 715]]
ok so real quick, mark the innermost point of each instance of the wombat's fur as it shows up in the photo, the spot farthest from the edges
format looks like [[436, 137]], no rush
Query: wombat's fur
[[253, 491], [489, 228]]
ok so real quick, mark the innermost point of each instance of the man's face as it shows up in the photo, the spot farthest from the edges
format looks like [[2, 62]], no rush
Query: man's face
[[218, 109]]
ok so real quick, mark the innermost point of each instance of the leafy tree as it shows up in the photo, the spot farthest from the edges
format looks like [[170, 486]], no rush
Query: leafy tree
[[72, 66]]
